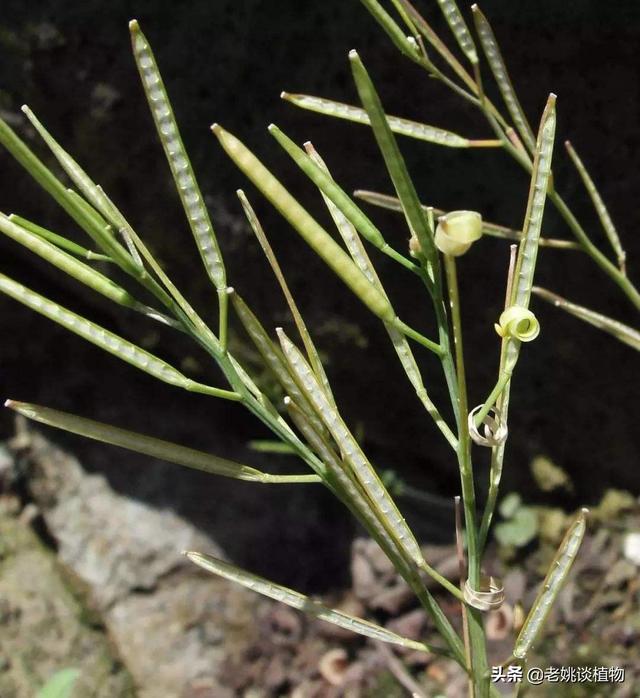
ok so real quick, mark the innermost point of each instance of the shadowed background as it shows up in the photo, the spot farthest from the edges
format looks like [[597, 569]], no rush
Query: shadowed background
[[575, 388]]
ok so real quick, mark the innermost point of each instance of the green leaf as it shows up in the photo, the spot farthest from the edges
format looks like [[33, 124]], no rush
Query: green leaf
[[519, 530], [403, 127], [60, 685], [149, 445], [558, 571], [301, 602]]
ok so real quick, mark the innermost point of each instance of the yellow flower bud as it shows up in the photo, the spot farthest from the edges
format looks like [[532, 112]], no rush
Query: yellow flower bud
[[457, 231], [518, 323]]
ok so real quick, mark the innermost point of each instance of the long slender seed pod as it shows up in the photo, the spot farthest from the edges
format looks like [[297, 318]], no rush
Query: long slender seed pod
[[393, 159], [181, 302], [436, 42], [181, 169], [459, 29], [272, 356], [392, 30], [149, 445], [624, 333], [338, 197], [104, 339], [58, 240], [402, 347], [47, 180], [528, 249], [347, 482], [301, 602], [600, 207], [403, 127], [350, 449], [351, 492], [499, 69], [305, 335], [310, 230], [70, 265], [558, 571], [91, 191], [392, 203], [528, 252]]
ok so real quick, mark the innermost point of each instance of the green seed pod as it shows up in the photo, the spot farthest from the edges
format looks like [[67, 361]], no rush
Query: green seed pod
[[457, 231], [518, 323]]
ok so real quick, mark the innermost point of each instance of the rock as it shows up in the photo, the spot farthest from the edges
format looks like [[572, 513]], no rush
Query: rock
[[632, 547], [43, 626], [174, 624]]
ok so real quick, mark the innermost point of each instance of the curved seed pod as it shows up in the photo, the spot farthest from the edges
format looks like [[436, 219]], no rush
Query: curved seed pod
[[459, 29], [528, 252], [393, 159], [500, 73], [72, 266], [518, 323], [70, 203], [147, 445], [600, 207], [301, 602], [403, 127], [312, 232], [94, 333], [393, 31], [457, 231], [58, 240], [551, 586], [619, 330], [350, 450], [181, 169]]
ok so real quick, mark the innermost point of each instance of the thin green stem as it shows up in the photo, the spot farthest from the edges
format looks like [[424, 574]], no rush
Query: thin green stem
[[284, 479], [194, 387], [223, 304], [415, 335], [474, 617], [503, 378]]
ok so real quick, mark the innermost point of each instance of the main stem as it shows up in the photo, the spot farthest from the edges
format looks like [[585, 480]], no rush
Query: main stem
[[479, 665]]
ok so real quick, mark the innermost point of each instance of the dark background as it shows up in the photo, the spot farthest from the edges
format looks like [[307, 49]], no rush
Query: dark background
[[576, 390]]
